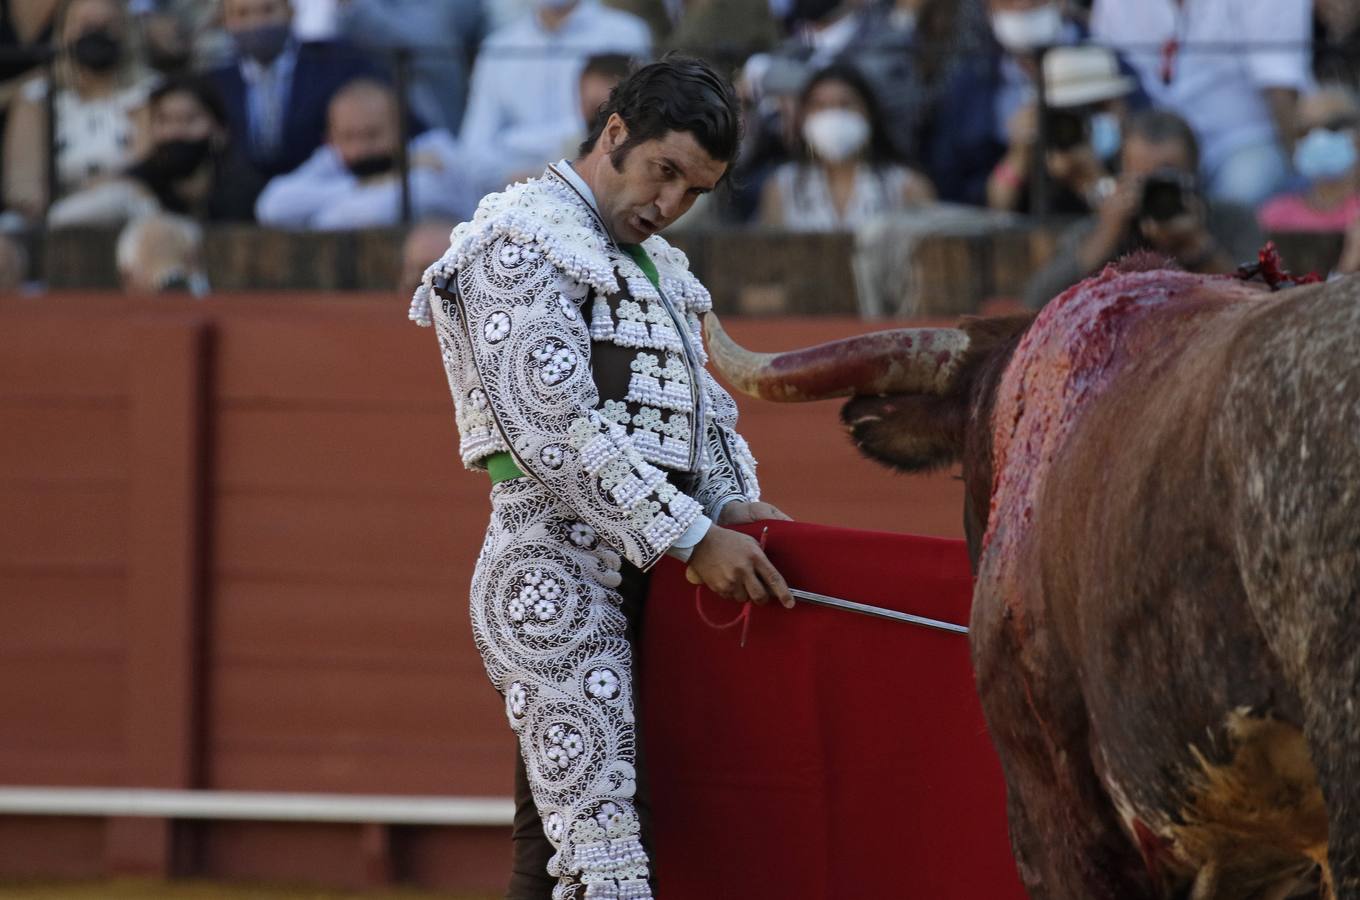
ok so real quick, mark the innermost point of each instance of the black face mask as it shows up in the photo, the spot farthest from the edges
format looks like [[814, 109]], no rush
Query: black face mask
[[178, 158], [97, 51], [368, 166]]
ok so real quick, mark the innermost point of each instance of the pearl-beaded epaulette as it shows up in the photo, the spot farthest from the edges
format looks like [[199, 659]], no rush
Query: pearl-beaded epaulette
[[545, 214]]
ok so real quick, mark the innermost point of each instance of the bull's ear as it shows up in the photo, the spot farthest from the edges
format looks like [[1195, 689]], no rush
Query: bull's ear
[[908, 432]]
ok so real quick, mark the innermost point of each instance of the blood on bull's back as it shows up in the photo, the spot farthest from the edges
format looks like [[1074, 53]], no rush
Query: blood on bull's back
[[1160, 474], [1168, 587]]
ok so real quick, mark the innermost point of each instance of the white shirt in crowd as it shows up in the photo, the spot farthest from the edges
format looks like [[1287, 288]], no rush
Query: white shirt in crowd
[[807, 205], [316, 20], [524, 100], [1217, 89], [94, 137], [322, 194]]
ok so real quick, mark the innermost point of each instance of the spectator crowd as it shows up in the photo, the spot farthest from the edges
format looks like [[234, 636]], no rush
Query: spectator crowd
[[1189, 127]]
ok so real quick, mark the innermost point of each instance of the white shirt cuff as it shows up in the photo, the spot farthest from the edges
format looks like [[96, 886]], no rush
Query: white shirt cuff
[[684, 545]]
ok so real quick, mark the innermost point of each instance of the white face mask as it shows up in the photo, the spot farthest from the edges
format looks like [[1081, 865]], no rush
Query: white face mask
[[835, 135], [1106, 138], [1023, 30], [1325, 155]]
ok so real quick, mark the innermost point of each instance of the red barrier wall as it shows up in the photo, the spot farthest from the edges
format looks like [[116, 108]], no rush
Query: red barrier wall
[[236, 540]]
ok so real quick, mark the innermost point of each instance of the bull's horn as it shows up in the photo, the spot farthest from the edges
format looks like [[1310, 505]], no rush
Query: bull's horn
[[900, 361]]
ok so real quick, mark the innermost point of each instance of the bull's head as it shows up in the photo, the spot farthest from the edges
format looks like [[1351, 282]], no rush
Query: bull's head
[[921, 398]]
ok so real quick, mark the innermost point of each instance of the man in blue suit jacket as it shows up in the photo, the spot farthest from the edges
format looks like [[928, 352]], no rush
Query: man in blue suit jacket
[[277, 88]]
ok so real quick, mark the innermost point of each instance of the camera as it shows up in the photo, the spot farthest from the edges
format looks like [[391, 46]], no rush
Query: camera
[[1166, 194], [1066, 129]]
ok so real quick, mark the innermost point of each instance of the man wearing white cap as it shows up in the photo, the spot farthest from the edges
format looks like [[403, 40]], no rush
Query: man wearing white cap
[[1088, 98]]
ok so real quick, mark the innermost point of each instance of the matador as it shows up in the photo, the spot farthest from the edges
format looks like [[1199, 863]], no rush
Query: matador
[[570, 334]]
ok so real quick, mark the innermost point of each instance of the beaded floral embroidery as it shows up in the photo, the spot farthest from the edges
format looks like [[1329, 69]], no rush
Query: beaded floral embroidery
[[515, 340], [523, 267]]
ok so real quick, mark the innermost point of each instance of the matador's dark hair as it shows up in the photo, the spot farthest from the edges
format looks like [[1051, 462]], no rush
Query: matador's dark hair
[[679, 93]]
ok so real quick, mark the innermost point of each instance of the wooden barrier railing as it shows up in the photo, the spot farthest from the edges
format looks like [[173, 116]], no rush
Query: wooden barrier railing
[[236, 544], [751, 272]]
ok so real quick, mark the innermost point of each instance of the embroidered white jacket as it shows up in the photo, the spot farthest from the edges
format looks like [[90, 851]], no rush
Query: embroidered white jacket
[[509, 302]]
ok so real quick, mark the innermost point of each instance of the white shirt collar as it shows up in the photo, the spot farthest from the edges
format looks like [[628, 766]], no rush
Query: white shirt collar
[[573, 19], [252, 70], [575, 180]]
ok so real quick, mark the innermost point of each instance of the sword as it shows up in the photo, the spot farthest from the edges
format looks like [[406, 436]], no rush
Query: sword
[[864, 609], [877, 612]]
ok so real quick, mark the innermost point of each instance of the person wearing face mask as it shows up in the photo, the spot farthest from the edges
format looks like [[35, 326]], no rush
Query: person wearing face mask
[[277, 89], [1326, 155], [1158, 204], [986, 107], [100, 106], [847, 173], [1088, 99], [191, 168], [906, 49], [352, 180]]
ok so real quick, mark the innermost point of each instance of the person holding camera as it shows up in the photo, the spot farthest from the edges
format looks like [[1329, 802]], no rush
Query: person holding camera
[[1088, 99], [1157, 204]]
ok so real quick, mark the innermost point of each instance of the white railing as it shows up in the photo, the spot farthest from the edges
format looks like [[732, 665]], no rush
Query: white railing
[[247, 805]]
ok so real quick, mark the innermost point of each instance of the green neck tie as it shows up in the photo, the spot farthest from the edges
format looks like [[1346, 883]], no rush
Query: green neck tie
[[644, 262]]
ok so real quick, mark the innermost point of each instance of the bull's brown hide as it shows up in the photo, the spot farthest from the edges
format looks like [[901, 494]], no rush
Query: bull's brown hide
[[1147, 677], [1167, 612]]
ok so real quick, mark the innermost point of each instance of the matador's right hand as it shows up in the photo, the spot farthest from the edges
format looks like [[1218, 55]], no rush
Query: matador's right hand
[[732, 565]]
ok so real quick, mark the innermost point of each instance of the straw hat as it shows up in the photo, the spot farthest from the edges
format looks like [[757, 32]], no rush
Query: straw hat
[[1076, 76]]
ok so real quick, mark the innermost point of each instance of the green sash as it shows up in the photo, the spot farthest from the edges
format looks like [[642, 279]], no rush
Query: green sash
[[502, 466]]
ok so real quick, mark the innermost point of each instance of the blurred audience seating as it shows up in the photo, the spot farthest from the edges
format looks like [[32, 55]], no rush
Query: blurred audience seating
[[957, 80]]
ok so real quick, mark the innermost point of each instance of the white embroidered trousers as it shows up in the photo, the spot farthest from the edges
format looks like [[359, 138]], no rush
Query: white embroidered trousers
[[548, 623]]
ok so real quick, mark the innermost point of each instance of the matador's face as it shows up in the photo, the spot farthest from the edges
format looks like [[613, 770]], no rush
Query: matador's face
[[655, 182]]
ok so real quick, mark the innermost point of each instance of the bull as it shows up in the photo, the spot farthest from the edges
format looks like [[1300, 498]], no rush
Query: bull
[[1161, 474]]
